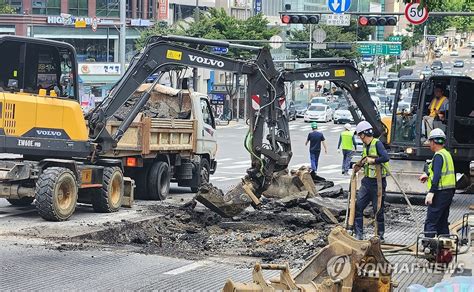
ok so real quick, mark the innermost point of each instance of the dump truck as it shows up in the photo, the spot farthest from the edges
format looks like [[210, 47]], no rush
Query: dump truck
[[172, 140]]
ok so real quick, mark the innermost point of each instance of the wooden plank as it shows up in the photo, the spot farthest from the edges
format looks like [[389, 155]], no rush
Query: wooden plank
[[146, 124]]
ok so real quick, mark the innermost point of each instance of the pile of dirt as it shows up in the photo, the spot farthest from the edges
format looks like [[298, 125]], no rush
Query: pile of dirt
[[164, 102], [271, 235]]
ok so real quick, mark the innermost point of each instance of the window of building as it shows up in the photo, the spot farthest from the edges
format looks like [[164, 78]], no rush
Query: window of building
[[151, 5], [139, 9], [108, 8], [93, 50], [78, 7], [49, 7], [16, 4]]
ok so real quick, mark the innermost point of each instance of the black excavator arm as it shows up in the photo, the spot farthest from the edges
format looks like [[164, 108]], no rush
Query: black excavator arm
[[162, 54], [344, 74]]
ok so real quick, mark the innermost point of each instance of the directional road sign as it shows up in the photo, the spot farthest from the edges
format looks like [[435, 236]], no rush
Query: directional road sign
[[372, 49], [339, 6], [219, 50], [395, 38]]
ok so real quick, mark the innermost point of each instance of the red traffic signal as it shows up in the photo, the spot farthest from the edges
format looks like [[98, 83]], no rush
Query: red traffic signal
[[303, 19], [377, 20]]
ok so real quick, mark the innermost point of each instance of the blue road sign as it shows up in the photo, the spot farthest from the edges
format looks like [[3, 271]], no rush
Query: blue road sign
[[258, 6], [339, 6], [219, 50]]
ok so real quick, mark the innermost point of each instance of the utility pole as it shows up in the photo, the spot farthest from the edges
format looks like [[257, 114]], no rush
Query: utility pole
[[123, 10], [195, 70]]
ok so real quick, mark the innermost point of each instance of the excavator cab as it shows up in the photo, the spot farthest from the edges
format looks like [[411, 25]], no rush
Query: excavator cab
[[411, 121]]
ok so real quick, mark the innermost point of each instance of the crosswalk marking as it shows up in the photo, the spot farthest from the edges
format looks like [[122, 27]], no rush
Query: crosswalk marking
[[328, 171], [236, 166], [186, 268], [225, 159], [243, 162], [331, 166]]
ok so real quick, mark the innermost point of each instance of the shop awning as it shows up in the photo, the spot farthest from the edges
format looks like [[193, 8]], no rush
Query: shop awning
[[99, 79]]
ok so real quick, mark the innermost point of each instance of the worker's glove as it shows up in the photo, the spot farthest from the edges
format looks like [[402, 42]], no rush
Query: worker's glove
[[356, 168], [338, 150], [370, 160], [423, 178], [429, 198]]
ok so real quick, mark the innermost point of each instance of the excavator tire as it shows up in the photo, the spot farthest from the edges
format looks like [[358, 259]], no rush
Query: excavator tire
[[205, 174], [109, 199], [158, 181], [56, 194], [25, 201]]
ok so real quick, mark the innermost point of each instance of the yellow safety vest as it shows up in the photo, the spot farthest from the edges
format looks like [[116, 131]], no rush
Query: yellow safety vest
[[346, 140], [435, 106], [369, 170], [448, 175]]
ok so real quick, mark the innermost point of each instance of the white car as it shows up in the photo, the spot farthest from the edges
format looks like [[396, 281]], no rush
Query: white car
[[320, 99], [373, 87], [454, 53], [342, 116], [318, 112], [391, 87]]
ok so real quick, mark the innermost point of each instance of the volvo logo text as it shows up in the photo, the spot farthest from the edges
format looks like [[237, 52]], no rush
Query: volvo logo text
[[206, 61], [49, 133], [316, 74]]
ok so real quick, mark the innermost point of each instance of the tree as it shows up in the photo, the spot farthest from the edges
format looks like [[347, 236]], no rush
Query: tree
[[333, 34], [159, 28], [5, 8], [216, 24]]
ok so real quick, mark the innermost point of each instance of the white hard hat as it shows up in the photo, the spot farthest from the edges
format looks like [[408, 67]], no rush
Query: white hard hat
[[437, 134], [363, 126], [347, 126]]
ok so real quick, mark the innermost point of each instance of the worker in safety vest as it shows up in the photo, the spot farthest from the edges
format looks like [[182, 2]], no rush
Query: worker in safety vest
[[348, 143], [373, 153], [441, 180], [439, 101]]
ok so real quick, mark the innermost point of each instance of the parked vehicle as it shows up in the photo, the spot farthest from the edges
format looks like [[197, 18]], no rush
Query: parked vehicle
[[300, 110], [318, 112], [291, 111], [438, 54], [372, 87]]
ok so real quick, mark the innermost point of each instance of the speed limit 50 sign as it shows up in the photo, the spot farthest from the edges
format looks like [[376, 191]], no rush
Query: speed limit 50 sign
[[415, 15]]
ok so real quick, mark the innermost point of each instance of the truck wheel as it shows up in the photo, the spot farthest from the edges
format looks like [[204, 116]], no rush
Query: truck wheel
[[109, 199], [158, 181], [25, 201], [56, 194], [205, 174]]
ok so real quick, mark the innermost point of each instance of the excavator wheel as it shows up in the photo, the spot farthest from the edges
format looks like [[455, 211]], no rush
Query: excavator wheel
[[56, 194], [25, 201], [158, 183], [109, 199], [205, 174]]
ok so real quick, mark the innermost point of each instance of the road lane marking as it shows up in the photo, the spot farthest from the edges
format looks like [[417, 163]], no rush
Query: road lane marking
[[225, 159], [328, 171], [243, 162], [235, 166], [331, 166], [186, 268]]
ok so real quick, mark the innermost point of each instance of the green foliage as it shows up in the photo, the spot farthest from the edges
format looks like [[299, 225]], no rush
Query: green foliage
[[333, 34], [218, 25], [5, 8], [159, 28], [437, 25], [409, 63]]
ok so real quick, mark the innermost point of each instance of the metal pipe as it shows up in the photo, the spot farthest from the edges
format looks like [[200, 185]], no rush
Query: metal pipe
[[123, 10], [200, 41], [441, 13]]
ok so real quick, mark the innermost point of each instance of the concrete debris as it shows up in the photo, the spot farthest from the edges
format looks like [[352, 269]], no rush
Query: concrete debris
[[162, 104]]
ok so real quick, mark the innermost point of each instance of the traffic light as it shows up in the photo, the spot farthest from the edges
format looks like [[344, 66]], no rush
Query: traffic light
[[377, 20], [303, 19]]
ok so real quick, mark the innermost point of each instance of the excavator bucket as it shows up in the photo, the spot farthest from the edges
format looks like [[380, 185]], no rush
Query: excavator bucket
[[345, 264], [244, 194]]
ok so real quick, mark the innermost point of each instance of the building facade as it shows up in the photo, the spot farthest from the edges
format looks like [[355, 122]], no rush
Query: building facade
[[92, 27]]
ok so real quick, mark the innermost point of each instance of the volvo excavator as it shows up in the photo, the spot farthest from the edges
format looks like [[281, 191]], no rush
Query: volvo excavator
[[58, 154]]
